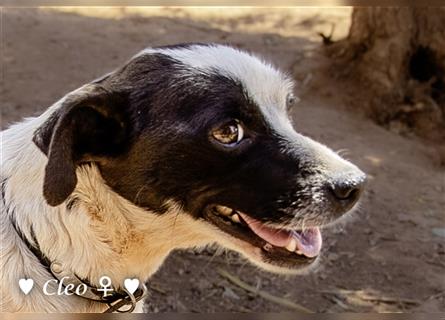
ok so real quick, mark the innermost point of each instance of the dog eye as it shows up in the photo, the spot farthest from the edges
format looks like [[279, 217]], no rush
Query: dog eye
[[229, 133], [291, 101]]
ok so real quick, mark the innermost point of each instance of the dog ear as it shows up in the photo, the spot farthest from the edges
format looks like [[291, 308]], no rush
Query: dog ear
[[91, 123]]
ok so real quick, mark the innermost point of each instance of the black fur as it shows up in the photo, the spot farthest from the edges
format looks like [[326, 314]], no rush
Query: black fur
[[87, 127], [147, 128], [173, 156]]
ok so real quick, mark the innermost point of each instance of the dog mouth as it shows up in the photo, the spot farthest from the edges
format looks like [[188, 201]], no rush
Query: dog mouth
[[277, 246]]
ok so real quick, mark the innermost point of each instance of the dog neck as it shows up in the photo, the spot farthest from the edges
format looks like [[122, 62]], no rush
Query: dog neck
[[94, 233]]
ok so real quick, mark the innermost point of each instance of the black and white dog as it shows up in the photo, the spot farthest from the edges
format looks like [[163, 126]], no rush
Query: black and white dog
[[181, 147]]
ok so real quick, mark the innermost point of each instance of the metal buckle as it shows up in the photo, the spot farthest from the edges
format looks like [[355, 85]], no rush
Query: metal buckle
[[130, 299]]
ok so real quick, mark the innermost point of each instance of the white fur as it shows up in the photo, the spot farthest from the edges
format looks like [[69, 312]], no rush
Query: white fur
[[266, 86], [105, 235]]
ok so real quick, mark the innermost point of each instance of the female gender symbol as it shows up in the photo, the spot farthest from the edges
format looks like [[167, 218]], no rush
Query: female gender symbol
[[105, 283]]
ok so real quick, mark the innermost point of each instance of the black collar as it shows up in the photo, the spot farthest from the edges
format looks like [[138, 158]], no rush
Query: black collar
[[114, 301]]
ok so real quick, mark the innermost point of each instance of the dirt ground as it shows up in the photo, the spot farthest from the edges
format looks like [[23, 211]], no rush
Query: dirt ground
[[387, 256]]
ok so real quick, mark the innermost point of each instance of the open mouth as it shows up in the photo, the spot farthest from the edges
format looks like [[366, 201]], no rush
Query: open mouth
[[280, 247]]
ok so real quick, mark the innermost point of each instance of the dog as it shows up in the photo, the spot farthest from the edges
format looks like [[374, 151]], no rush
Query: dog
[[181, 147]]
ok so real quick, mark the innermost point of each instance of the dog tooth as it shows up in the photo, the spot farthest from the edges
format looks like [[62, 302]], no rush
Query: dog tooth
[[225, 211], [267, 247], [235, 218], [299, 252], [292, 245]]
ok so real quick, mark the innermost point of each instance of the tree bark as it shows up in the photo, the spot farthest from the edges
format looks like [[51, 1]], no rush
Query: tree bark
[[399, 56]]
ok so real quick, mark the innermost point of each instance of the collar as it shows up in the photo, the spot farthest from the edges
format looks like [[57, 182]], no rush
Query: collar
[[115, 301]]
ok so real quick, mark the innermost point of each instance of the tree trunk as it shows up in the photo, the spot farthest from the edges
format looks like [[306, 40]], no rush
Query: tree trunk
[[399, 56]]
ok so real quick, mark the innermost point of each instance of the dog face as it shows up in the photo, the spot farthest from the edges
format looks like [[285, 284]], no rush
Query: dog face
[[205, 126]]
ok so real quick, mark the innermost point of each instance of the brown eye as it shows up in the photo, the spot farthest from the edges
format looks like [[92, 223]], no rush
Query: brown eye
[[229, 133]]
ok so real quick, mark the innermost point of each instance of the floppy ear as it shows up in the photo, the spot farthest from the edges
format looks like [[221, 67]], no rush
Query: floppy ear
[[91, 124]]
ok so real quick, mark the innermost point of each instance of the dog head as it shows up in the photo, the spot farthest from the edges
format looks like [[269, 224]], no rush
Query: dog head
[[205, 126]]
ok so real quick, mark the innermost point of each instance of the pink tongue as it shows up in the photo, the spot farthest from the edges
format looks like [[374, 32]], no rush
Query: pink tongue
[[279, 238], [308, 243]]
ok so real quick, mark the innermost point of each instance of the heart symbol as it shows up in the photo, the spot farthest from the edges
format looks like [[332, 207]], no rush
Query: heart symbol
[[26, 285], [131, 285]]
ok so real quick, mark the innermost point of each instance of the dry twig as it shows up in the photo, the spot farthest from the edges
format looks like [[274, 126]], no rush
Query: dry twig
[[368, 296], [263, 294]]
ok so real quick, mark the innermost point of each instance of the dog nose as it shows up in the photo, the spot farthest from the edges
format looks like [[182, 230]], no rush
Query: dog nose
[[347, 191]]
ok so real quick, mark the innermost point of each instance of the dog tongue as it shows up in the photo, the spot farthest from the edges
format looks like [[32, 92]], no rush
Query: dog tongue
[[308, 242]]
